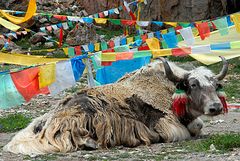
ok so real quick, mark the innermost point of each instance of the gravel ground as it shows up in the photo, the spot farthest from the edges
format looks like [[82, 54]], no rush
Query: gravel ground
[[163, 151]]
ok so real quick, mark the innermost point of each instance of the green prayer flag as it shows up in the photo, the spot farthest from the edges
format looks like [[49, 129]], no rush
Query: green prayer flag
[[9, 95], [71, 52], [140, 54], [70, 24], [179, 38], [222, 25], [164, 44], [115, 21], [137, 37], [104, 45]]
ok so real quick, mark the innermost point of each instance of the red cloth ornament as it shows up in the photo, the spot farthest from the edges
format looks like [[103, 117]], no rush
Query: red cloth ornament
[[179, 103], [222, 96]]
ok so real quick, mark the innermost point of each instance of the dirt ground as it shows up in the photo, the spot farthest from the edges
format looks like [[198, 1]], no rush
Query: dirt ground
[[162, 151]]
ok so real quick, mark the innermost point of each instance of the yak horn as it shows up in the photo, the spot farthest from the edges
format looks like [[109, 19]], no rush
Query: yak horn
[[168, 70], [224, 70]]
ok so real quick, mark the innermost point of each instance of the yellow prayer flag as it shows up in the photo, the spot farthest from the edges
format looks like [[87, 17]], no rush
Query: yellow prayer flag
[[195, 31], [164, 31], [174, 24], [100, 20], [129, 40], [108, 57], [97, 47], [236, 20], [235, 45], [32, 8], [153, 43], [161, 52], [9, 25], [28, 60], [65, 51], [154, 46], [47, 75]]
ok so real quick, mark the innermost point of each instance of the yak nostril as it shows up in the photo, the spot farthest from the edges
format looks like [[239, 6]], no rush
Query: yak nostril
[[212, 110], [217, 105]]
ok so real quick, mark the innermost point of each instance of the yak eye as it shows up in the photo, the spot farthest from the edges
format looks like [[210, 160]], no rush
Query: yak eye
[[193, 85]]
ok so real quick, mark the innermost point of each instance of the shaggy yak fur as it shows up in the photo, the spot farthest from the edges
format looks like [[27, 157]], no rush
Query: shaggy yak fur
[[133, 111]]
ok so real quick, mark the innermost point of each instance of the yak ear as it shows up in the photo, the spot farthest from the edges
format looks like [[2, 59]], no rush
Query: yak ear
[[183, 85]]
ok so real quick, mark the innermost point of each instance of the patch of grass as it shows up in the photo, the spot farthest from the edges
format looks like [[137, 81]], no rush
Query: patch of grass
[[14, 122], [223, 143], [6, 67], [180, 59], [234, 66], [232, 89], [41, 157], [23, 42], [124, 155]]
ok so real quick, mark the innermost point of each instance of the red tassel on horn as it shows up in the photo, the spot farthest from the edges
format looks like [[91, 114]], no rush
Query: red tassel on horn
[[222, 96], [224, 103], [179, 102]]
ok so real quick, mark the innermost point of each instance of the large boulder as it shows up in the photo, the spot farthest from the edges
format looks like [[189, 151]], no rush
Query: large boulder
[[38, 37], [165, 10]]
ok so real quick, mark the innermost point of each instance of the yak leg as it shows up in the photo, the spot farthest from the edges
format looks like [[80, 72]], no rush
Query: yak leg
[[195, 127], [171, 130]]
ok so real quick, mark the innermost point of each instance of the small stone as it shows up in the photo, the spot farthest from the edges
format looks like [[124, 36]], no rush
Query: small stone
[[212, 148], [43, 20], [49, 44]]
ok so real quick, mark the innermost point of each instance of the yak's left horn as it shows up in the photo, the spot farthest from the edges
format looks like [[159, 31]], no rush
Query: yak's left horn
[[224, 70], [169, 74]]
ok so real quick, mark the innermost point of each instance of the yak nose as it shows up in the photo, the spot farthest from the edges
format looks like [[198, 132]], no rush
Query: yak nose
[[216, 108]]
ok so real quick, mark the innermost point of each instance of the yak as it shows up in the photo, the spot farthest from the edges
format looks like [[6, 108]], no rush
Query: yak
[[135, 110]]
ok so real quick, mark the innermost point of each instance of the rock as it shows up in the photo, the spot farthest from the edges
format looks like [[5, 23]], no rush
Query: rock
[[82, 34], [212, 148], [174, 10], [49, 44], [38, 37], [43, 20], [11, 45]]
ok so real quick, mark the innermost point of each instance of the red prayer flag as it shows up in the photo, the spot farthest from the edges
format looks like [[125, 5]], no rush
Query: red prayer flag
[[26, 82], [143, 48], [78, 50], [101, 15], [60, 17], [111, 44], [106, 63], [108, 51], [203, 29], [124, 56], [178, 28], [181, 51], [128, 22], [144, 37], [132, 15], [213, 25], [60, 37]]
